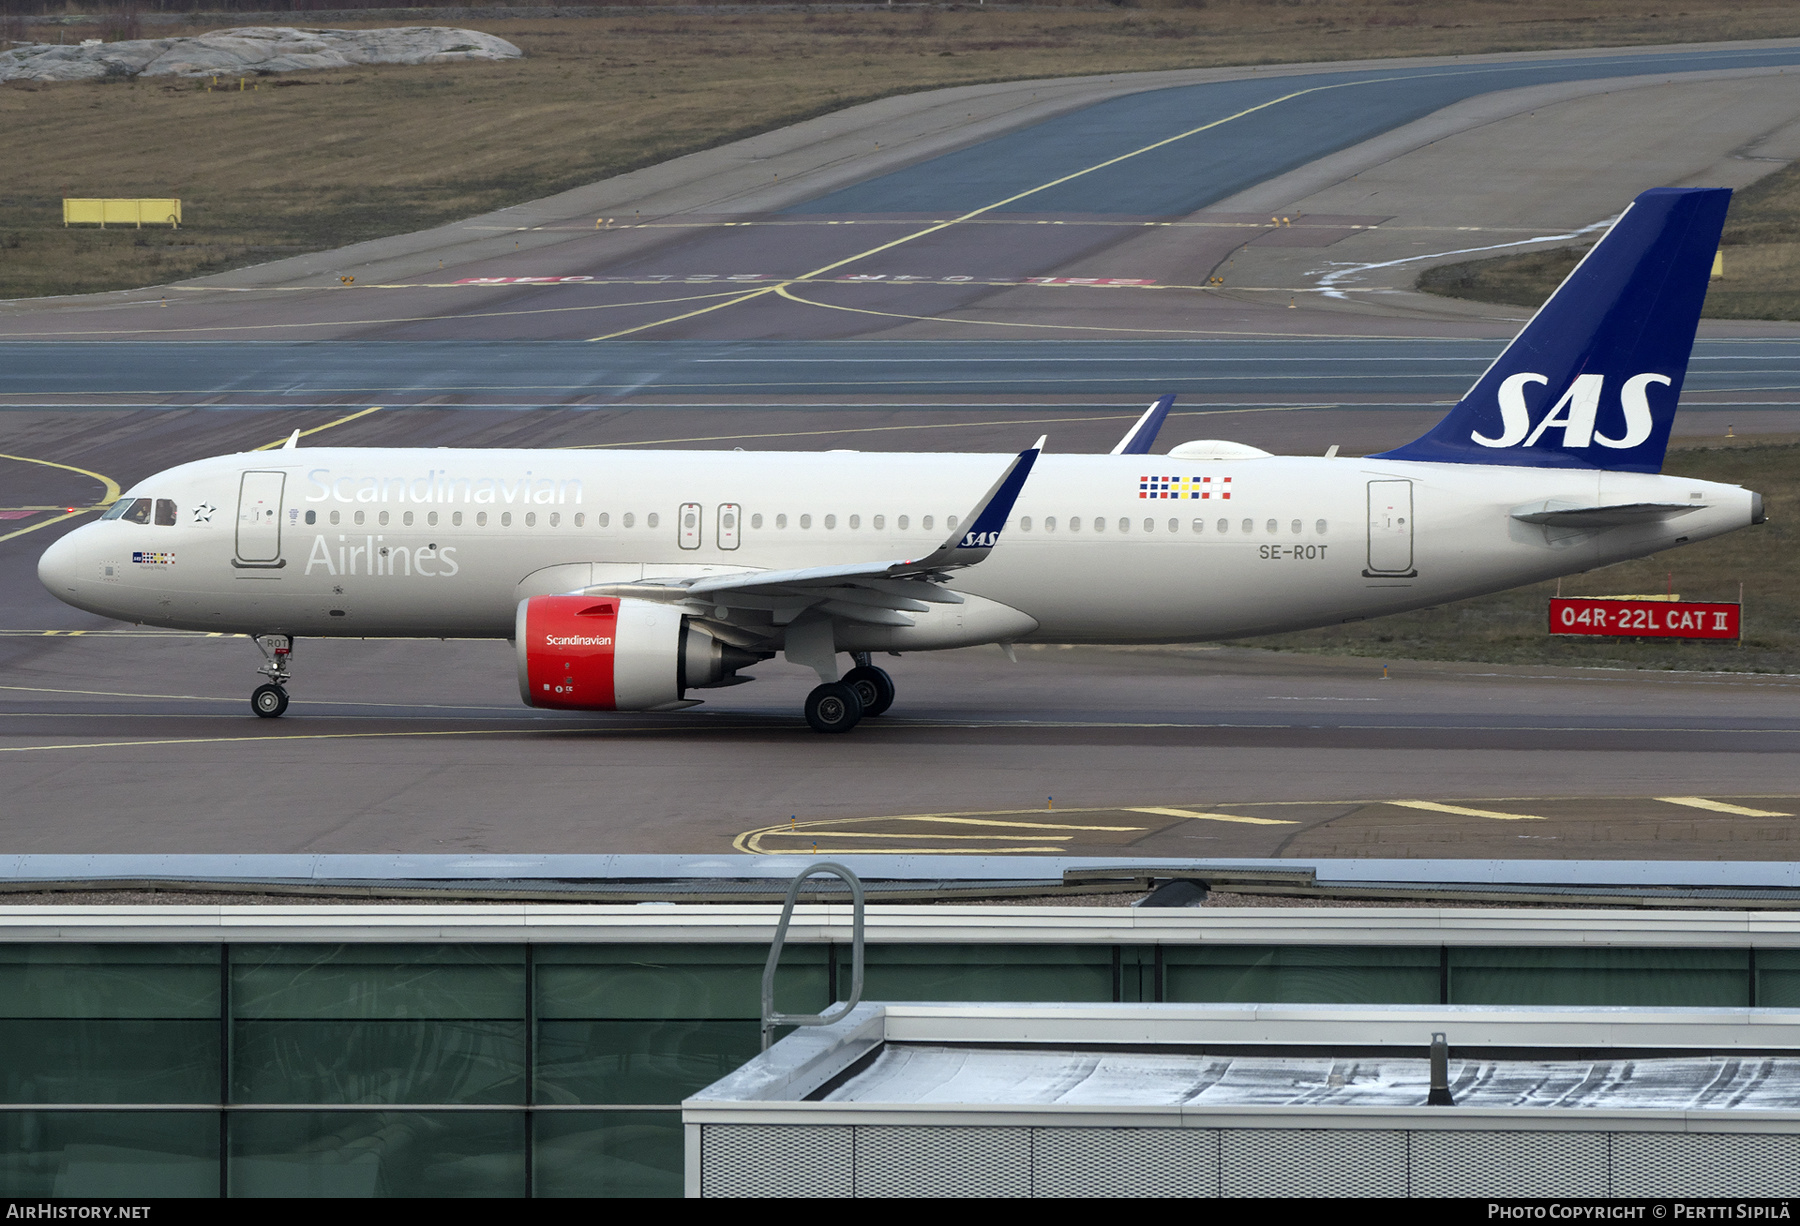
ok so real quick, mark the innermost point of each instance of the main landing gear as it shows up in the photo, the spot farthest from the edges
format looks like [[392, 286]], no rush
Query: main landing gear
[[270, 700], [838, 706]]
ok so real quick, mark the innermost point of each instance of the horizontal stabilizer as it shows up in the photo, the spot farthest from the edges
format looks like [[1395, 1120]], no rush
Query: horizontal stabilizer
[[1604, 517]]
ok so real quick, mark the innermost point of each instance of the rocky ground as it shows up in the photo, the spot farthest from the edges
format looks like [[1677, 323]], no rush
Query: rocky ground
[[249, 50]]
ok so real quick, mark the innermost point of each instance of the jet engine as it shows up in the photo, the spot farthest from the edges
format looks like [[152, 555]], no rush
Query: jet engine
[[604, 653]]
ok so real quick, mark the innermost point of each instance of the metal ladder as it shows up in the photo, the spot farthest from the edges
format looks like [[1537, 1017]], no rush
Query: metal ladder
[[772, 1019]]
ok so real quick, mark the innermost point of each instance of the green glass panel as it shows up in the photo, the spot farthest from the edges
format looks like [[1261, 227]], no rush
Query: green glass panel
[[378, 981], [377, 1153], [982, 972], [109, 981], [134, 1154], [378, 1062], [638, 1061], [622, 1153], [675, 981], [73, 1060], [1778, 978], [1487, 976], [1281, 974]]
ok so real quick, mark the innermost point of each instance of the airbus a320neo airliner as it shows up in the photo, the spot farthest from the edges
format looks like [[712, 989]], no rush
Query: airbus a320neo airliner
[[628, 579]]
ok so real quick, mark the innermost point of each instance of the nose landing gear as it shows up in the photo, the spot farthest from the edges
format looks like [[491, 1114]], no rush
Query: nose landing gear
[[270, 700]]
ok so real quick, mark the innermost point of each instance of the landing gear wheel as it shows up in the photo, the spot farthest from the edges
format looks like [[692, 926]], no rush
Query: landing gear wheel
[[873, 686], [834, 707], [268, 701]]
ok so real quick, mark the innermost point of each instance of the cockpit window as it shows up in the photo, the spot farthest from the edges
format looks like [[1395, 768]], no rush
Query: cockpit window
[[138, 512], [165, 512], [117, 509]]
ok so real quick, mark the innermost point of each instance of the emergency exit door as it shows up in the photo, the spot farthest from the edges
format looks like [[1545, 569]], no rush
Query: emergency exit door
[[1390, 528], [259, 519], [729, 515], [690, 525]]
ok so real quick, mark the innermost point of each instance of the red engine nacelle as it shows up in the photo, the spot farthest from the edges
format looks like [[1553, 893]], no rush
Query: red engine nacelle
[[603, 653]]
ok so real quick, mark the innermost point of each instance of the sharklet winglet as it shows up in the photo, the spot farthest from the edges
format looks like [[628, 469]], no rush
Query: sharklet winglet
[[1138, 439]]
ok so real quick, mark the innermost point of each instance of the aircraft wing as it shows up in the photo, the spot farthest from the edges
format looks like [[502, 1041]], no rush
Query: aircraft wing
[[880, 592]]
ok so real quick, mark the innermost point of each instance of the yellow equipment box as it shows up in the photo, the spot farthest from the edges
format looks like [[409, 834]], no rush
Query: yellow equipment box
[[122, 212]]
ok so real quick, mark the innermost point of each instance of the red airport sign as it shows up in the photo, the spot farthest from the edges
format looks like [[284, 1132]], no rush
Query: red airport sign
[[1664, 619]]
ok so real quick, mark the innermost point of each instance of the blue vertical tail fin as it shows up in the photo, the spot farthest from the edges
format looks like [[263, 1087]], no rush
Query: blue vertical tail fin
[[1593, 380]]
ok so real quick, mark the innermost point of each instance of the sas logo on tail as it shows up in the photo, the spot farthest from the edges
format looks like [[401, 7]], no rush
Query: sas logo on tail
[[1575, 415], [980, 540]]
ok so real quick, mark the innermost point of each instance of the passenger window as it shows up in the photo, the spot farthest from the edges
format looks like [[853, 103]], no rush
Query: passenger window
[[690, 520], [506, 519], [831, 521], [1274, 526], [806, 521], [407, 519], [1024, 523], [950, 522], [1099, 524], [531, 519], [335, 516], [481, 519], [359, 517], [1049, 523], [880, 522], [903, 523], [382, 519], [1174, 525], [1074, 523], [781, 520], [602, 520], [756, 520], [1149, 525], [628, 519], [580, 518], [855, 522], [455, 519], [1319, 527], [1296, 527], [1249, 525], [652, 519], [165, 512], [1199, 525], [312, 517], [139, 512], [926, 523], [431, 518], [1224, 525], [1124, 524], [555, 518]]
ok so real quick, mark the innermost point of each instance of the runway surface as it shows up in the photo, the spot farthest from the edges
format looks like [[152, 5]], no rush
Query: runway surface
[[1061, 310]]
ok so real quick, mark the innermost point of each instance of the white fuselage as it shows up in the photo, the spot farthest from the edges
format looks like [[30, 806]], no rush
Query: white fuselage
[[441, 542]]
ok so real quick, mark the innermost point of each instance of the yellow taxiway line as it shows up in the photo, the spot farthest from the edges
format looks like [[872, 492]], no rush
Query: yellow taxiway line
[[1719, 806], [1432, 806], [109, 495]]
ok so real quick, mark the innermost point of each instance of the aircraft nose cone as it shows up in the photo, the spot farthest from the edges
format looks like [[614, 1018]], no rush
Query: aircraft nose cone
[[59, 570]]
